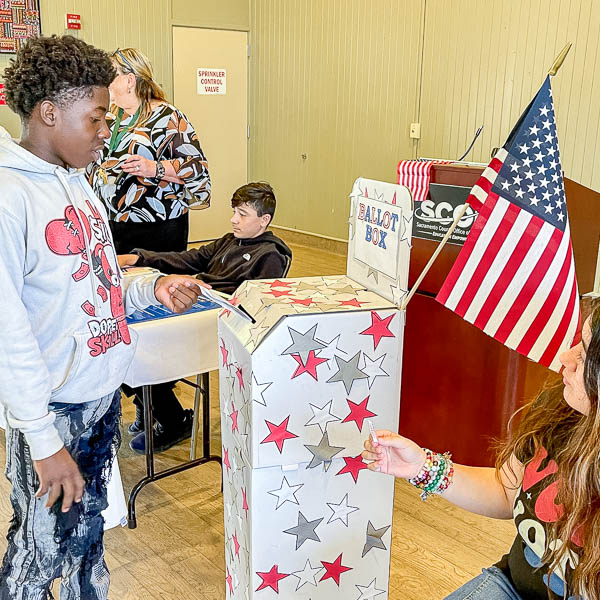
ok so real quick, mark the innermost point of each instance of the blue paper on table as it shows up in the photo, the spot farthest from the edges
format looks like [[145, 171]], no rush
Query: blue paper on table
[[153, 313]]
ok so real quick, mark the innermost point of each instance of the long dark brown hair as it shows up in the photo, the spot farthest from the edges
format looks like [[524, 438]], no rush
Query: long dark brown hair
[[549, 422]]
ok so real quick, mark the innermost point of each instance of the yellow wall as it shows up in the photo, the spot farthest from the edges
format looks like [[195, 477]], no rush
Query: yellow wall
[[334, 80], [484, 61], [144, 24], [341, 80]]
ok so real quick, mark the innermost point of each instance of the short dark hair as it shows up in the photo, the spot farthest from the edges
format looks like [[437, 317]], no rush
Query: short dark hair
[[259, 195], [61, 69]]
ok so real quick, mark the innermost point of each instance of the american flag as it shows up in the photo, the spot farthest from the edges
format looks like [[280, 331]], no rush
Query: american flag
[[515, 276], [414, 174]]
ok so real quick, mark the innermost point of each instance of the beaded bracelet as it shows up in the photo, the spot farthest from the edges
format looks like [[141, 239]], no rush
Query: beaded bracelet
[[435, 475]]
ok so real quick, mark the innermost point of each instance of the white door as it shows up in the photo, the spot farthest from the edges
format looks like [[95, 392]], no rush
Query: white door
[[220, 119]]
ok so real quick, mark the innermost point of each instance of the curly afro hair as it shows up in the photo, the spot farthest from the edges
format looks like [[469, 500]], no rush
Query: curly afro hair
[[62, 69]]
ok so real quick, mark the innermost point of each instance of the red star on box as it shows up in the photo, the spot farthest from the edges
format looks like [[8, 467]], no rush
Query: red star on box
[[354, 465], [312, 362], [240, 376], [277, 293], [224, 353], [334, 570], [245, 506], [379, 328], [229, 581], [358, 412], [353, 302], [226, 459], [226, 312], [234, 423], [271, 578], [303, 301], [279, 433], [278, 283], [236, 545]]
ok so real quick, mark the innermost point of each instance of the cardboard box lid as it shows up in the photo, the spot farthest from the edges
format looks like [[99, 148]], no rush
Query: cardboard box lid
[[270, 300], [379, 238]]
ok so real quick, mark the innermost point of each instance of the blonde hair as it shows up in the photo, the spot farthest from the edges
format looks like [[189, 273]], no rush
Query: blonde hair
[[131, 60]]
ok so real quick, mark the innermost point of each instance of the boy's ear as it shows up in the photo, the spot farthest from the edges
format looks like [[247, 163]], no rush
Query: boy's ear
[[47, 111], [267, 219]]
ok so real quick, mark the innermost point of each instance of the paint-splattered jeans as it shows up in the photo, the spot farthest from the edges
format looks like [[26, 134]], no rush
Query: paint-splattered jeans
[[46, 544]]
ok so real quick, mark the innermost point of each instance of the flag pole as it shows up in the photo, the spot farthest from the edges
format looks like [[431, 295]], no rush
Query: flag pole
[[558, 61], [425, 270]]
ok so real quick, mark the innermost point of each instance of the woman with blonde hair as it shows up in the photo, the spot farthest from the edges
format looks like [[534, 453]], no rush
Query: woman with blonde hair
[[152, 169], [547, 478], [151, 172]]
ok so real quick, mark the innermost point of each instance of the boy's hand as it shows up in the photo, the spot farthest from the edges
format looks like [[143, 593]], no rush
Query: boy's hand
[[59, 474], [127, 260], [178, 292]]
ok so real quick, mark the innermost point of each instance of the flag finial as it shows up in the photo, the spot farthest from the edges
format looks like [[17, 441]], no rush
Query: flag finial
[[558, 61]]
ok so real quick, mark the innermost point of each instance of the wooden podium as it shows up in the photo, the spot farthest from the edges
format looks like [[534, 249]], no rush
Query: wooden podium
[[460, 386]]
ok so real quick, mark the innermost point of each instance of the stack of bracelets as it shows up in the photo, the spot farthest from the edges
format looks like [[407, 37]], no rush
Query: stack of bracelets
[[435, 475]]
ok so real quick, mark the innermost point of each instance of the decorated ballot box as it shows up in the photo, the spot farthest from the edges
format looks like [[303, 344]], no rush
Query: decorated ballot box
[[304, 517]]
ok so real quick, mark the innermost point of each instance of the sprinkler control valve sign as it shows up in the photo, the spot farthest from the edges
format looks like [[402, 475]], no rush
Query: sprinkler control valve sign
[[211, 82]]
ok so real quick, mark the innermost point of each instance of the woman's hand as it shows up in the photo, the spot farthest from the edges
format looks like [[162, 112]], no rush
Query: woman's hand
[[394, 454], [140, 166]]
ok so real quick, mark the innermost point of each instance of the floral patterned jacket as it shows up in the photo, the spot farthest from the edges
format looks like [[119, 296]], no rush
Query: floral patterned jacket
[[165, 135]]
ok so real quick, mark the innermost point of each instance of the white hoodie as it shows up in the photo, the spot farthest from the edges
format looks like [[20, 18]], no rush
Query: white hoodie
[[63, 334]]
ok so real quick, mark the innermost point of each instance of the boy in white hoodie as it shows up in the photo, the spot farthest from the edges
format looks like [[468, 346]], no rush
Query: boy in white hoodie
[[65, 344]]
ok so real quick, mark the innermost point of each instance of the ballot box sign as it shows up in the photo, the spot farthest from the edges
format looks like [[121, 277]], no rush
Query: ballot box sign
[[378, 228], [212, 82], [2, 95], [434, 215]]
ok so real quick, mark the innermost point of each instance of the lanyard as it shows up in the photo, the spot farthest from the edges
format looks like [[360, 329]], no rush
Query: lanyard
[[117, 135]]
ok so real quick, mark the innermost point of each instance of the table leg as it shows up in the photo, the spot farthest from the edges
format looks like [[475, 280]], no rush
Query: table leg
[[149, 448], [151, 475]]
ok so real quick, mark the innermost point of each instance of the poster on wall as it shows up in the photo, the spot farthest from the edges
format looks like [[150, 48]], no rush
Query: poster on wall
[[19, 20]]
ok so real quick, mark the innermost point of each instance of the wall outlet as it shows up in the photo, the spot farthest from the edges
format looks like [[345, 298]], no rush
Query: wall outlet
[[415, 130]]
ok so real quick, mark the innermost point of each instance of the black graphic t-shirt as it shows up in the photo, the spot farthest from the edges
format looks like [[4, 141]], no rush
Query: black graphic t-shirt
[[534, 511]]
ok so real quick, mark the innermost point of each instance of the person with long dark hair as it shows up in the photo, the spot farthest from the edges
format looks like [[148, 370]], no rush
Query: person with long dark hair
[[547, 478]]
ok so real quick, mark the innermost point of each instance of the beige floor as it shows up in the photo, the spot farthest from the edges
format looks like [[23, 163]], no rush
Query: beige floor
[[177, 550]]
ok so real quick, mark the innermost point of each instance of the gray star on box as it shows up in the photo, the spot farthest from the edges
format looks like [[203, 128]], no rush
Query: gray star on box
[[348, 371], [305, 530], [323, 453], [374, 273], [374, 538], [303, 343]]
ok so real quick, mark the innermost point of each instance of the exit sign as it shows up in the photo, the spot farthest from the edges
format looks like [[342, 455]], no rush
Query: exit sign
[[73, 21]]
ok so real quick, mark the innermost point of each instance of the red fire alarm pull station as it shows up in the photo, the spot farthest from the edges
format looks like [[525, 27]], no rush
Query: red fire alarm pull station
[[73, 21], [2, 95]]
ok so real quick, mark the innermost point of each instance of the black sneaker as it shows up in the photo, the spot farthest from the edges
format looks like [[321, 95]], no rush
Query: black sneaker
[[138, 425], [165, 439]]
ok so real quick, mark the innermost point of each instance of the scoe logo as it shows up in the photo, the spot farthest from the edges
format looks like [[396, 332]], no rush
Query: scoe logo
[[444, 213]]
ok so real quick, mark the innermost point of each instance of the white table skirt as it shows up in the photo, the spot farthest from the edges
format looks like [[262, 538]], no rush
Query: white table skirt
[[174, 348]]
